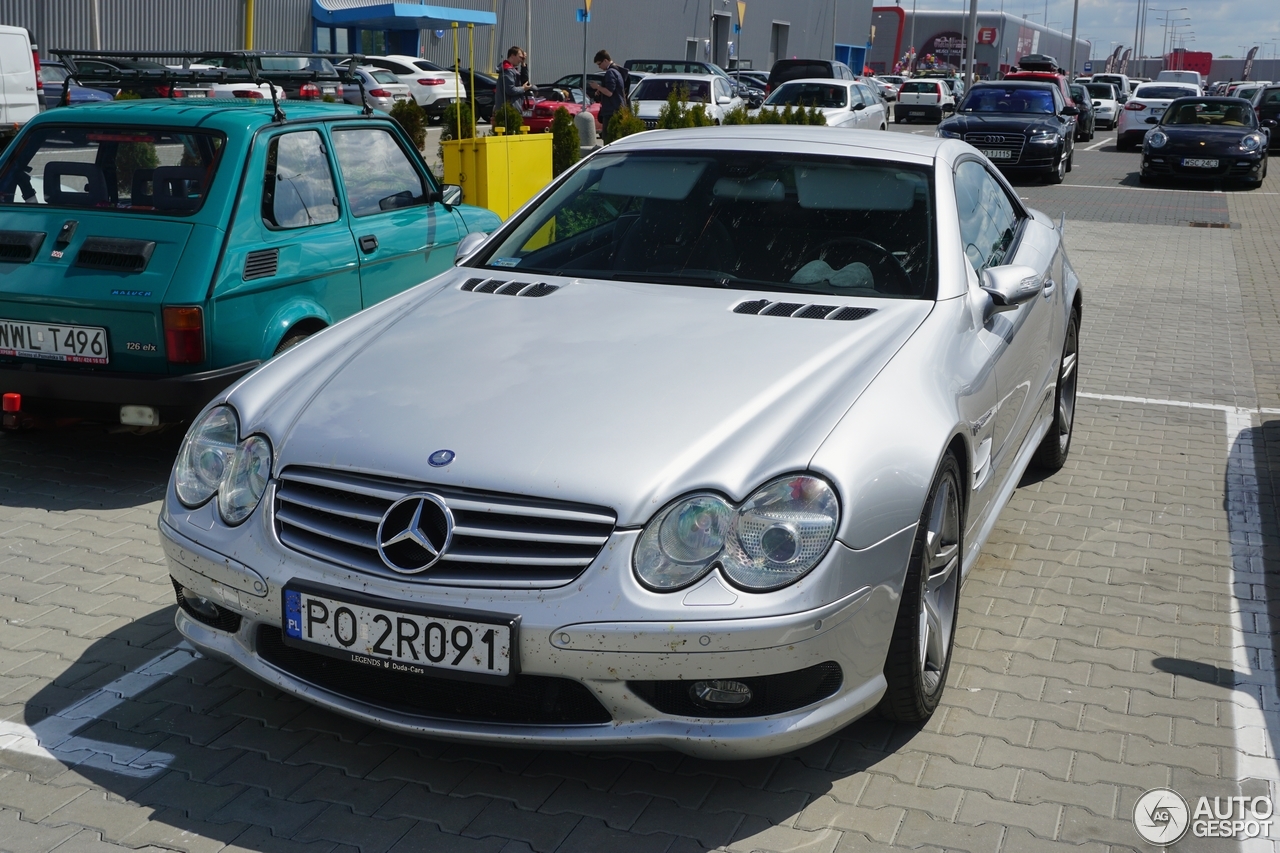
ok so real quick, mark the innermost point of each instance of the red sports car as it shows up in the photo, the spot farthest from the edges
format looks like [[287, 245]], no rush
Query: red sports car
[[539, 114]]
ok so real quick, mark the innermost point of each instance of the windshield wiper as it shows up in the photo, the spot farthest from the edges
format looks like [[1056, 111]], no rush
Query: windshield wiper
[[697, 278]]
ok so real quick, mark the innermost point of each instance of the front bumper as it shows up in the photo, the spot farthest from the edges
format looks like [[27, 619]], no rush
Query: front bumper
[[852, 631], [100, 394], [1160, 164]]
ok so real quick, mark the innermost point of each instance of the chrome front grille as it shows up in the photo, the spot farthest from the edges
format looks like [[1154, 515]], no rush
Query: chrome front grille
[[498, 540], [997, 141]]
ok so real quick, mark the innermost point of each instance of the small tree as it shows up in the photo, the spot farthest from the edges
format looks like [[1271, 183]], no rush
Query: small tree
[[623, 123], [696, 116], [411, 117], [565, 144], [672, 114], [132, 157], [507, 117], [817, 116], [739, 115]]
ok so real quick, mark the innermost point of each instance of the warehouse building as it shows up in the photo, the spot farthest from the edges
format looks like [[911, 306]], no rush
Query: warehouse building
[[752, 33], [1002, 40]]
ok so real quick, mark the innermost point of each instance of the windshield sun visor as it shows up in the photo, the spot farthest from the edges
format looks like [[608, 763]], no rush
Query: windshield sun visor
[[854, 188], [658, 178]]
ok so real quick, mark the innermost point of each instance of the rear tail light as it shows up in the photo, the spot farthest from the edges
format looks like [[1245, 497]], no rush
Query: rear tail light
[[337, 92], [35, 58], [1134, 105], [184, 335], [309, 90], [246, 93], [170, 92], [544, 112], [379, 93], [13, 402], [431, 81]]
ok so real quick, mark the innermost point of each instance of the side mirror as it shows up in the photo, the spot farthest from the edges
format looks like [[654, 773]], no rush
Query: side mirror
[[1122, 99], [1070, 111], [467, 246], [859, 106], [724, 100], [1009, 286], [450, 195]]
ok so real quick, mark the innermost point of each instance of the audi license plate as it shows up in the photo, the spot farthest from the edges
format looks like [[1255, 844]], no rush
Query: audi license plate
[[394, 636], [1193, 163], [998, 153], [78, 344]]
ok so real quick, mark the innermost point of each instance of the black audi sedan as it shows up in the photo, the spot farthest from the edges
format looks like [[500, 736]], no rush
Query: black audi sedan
[[1206, 138], [1020, 125], [1266, 105]]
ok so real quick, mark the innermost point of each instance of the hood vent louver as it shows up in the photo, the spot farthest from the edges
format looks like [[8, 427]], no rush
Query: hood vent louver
[[20, 247], [508, 288], [261, 264], [115, 254], [765, 308]]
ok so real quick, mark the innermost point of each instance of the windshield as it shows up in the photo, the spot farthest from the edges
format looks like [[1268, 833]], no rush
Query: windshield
[[1204, 113], [130, 169], [734, 219], [695, 91], [1161, 92], [994, 99], [1101, 91], [810, 95]]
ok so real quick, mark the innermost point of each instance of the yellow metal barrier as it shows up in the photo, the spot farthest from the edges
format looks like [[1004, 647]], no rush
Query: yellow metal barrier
[[499, 172]]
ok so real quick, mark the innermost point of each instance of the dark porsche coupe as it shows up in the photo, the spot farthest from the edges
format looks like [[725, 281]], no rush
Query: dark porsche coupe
[[1021, 125], [1206, 138]]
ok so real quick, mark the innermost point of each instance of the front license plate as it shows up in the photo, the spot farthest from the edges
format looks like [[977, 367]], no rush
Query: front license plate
[[998, 154], [1193, 163], [394, 636], [78, 344]]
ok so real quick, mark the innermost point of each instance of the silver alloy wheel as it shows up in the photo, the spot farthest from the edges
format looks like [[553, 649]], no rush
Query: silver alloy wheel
[[941, 569], [1067, 387]]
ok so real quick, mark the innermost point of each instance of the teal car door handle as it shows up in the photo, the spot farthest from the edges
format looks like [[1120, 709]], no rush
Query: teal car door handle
[[369, 243]]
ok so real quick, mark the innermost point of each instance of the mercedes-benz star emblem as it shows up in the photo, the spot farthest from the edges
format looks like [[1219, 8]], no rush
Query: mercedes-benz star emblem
[[415, 533], [440, 458]]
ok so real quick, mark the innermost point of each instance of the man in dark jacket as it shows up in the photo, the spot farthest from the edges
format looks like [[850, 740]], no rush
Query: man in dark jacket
[[612, 93], [510, 88]]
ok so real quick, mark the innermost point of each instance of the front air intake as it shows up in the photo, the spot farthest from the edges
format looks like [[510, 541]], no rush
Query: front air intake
[[508, 288], [20, 247], [765, 308]]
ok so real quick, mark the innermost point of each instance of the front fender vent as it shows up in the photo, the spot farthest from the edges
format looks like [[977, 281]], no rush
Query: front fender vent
[[765, 308], [261, 264], [19, 247], [508, 288], [115, 254]]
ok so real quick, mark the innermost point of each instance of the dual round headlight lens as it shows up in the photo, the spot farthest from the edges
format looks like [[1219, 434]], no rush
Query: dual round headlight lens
[[212, 461], [1251, 142], [776, 536], [1157, 139]]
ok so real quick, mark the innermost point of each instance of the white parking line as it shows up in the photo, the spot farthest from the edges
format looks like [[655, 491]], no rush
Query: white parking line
[[54, 736], [1156, 190], [1095, 146], [1252, 652]]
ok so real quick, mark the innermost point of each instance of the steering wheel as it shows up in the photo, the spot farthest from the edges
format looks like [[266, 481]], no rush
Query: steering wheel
[[884, 262]]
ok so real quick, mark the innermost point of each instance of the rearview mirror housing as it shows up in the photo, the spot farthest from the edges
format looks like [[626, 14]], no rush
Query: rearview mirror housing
[[1010, 286], [468, 245], [1070, 111]]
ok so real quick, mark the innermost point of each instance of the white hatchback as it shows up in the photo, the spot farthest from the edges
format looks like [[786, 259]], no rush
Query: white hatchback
[[711, 92], [844, 103], [1143, 111]]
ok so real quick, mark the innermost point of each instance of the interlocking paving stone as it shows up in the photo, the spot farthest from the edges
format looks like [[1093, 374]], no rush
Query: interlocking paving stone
[[1094, 654]]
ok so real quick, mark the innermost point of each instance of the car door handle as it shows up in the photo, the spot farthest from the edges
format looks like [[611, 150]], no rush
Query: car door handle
[[1049, 285], [368, 243]]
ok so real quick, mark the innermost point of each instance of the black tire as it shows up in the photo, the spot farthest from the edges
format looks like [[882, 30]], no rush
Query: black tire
[[1051, 455], [1058, 173], [290, 341], [1071, 160], [924, 633]]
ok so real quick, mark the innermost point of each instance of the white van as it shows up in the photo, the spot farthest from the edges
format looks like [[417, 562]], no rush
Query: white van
[[1124, 87], [1192, 77], [21, 98]]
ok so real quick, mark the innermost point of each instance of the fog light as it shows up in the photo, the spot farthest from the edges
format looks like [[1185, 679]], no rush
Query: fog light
[[201, 605], [719, 694], [139, 416]]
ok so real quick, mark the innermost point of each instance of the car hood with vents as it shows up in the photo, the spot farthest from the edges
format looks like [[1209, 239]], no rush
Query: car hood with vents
[[615, 394]]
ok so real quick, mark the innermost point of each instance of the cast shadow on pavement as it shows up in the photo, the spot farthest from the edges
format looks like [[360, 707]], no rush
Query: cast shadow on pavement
[[85, 467], [207, 749]]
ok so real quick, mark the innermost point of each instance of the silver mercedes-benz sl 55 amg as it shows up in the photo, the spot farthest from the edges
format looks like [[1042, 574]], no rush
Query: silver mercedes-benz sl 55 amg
[[693, 452]]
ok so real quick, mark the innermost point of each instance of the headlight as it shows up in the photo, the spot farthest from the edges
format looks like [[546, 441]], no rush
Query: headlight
[[211, 461], [205, 456], [1252, 142], [1043, 137], [1157, 139], [946, 134], [775, 537], [246, 480]]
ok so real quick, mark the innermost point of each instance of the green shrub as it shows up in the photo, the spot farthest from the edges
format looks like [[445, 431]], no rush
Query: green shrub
[[739, 115], [769, 116], [127, 95], [565, 145], [623, 123], [817, 116], [130, 157], [414, 121], [329, 99], [507, 117]]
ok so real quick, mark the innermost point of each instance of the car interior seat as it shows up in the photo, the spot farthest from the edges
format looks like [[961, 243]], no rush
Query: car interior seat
[[177, 187], [95, 185], [1233, 115]]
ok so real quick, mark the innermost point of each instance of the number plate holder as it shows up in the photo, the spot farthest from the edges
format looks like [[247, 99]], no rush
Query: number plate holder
[[48, 341], [296, 594], [1199, 163]]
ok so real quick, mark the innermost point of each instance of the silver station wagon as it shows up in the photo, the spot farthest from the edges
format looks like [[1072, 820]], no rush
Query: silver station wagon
[[693, 452]]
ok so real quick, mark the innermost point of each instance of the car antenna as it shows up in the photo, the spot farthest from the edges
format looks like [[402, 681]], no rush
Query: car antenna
[[277, 114], [352, 69]]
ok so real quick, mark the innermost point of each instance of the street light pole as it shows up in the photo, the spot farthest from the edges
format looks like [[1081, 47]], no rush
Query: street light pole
[[1075, 21]]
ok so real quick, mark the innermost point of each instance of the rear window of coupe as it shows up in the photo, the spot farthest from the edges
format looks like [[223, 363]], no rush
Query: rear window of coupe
[[127, 168]]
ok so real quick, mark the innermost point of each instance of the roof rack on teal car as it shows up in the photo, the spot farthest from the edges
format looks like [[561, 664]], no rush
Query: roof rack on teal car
[[250, 69]]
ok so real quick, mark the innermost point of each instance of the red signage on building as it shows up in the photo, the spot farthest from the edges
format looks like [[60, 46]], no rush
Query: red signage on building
[[987, 35]]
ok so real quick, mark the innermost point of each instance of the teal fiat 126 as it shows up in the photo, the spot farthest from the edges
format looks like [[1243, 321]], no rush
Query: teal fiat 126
[[154, 251]]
